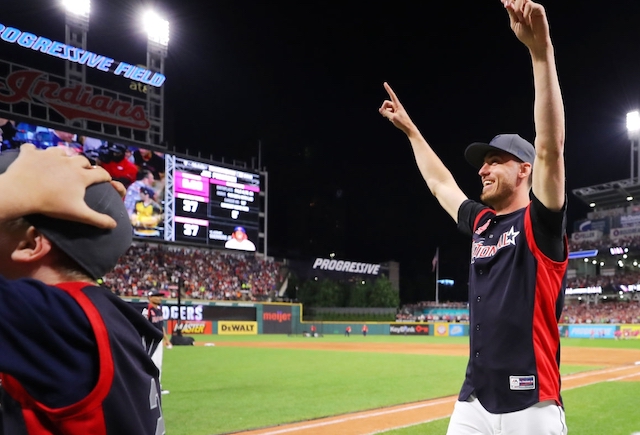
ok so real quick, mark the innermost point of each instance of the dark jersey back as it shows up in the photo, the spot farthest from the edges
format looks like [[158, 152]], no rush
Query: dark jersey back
[[126, 395]]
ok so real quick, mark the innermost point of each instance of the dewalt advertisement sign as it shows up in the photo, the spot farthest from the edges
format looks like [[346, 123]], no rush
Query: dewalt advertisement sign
[[237, 328]]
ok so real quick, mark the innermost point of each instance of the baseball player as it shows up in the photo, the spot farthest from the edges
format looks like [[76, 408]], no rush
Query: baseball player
[[518, 257], [74, 357], [148, 213], [155, 316]]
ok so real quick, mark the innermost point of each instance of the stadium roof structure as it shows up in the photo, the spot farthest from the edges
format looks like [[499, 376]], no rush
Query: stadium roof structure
[[608, 195]]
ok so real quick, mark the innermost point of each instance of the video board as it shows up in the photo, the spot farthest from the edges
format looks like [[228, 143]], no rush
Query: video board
[[215, 205], [169, 198]]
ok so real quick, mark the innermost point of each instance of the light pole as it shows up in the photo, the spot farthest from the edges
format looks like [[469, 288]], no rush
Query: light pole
[[157, 30], [633, 129], [76, 27]]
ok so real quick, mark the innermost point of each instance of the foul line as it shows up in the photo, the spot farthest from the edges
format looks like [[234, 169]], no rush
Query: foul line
[[370, 414]]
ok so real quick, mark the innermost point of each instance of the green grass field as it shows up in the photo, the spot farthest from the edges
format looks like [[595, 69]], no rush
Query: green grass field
[[219, 389]]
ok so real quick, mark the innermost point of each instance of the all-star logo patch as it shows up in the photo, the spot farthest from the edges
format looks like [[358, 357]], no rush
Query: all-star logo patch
[[518, 383], [480, 250]]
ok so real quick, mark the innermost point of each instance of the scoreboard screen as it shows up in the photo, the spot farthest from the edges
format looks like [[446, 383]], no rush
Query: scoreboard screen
[[215, 205], [205, 204]]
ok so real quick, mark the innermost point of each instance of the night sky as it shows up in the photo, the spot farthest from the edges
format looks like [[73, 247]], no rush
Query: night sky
[[304, 79]]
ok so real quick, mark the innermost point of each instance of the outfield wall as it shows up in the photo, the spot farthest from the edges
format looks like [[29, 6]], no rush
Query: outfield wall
[[253, 318]]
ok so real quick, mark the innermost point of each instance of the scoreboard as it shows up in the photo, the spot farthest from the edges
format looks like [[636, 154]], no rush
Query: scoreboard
[[187, 201], [213, 201]]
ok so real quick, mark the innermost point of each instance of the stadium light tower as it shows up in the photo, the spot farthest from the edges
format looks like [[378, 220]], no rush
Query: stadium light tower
[[157, 29], [78, 7], [633, 129], [76, 27]]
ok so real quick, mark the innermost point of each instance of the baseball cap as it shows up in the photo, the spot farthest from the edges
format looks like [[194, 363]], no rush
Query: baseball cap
[[155, 293], [239, 229], [147, 190], [116, 147], [511, 143], [96, 250]]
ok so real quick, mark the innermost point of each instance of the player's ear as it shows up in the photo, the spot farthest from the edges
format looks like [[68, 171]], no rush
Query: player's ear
[[525, 170], [32, 246]]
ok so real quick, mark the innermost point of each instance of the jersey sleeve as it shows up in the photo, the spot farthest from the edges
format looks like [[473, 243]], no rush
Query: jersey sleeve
[[468, 214], [549, 229]]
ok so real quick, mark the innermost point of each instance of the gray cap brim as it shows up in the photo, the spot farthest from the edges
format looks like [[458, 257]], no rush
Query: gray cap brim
[[474, 154]]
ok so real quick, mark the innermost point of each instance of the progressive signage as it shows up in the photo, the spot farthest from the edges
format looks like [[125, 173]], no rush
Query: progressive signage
[[80, 56], [346, 266]]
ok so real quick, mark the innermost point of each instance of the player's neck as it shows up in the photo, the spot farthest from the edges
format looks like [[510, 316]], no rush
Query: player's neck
[[517, 201], [52, 276]]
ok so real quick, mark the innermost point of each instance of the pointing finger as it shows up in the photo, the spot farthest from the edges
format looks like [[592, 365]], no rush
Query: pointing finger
[[392, 94]]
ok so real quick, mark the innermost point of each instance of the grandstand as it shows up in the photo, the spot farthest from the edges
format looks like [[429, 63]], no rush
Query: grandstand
[[200, 273], [604, 259]]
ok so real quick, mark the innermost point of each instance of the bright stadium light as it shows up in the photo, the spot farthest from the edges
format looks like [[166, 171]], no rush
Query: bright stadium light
[[633, 121], [593, 204], [633, 130], [78, 7], [156, 27]]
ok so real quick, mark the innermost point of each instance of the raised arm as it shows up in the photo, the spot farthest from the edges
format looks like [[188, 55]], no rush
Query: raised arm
[[529, 23], [434, 172]]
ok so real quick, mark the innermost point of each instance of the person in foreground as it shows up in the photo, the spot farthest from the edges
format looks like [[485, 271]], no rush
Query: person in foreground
[[74, 357], [518, 257]]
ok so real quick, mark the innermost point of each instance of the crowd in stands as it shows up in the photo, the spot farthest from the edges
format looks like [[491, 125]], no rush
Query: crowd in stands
[[201, 273], [430, 311], [633, 243], [613, 283], [606, 312]]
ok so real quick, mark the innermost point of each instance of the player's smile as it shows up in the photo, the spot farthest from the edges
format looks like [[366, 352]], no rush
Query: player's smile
[[486, 185]]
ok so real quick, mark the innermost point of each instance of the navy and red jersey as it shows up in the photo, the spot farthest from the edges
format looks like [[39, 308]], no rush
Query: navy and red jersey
[[154, 314], [75, 360], [517, 278]]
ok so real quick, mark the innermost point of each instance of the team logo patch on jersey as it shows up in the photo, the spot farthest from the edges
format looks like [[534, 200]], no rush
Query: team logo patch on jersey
[[518, 383], [483, 227], [480, 250]]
